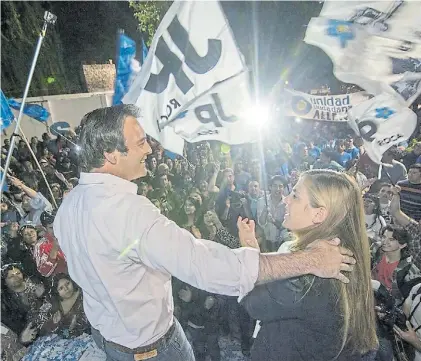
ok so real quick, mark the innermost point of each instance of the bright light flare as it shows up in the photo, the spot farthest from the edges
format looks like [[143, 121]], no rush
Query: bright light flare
[[257, 115], [298, 119]]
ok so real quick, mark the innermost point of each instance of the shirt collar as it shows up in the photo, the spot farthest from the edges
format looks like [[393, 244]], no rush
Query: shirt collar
[[107, 179]]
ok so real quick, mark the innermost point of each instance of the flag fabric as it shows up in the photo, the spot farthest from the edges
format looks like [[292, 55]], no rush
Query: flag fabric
[[382, 122], [144, 51], [7, 116], [375, 45], [320, 107], [193, 60], [127, 66], [5, 185], [35, 111]]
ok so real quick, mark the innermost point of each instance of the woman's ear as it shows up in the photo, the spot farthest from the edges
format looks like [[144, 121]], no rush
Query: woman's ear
[[319, 215]]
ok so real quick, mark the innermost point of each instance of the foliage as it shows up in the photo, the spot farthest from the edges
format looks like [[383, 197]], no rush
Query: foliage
[[20, 27], [149, 14]]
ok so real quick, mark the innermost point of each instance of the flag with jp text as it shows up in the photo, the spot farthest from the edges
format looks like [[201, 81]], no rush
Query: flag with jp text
[[382, 122], [127, 66], [6, 113], [34, 111], [193, 76]]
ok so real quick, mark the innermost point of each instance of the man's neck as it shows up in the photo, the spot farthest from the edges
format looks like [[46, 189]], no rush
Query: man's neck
[[393, 256]]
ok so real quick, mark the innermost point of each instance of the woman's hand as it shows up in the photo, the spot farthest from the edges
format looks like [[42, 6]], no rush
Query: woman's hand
[[57, 317], [246, 233], [395, 203]]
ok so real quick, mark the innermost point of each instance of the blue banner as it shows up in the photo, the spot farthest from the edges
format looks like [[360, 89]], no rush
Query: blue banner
[[6, 113], [126, 54], [31, 110]]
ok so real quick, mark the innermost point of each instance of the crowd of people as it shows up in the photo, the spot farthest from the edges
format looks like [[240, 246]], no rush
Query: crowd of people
[[205, 192]]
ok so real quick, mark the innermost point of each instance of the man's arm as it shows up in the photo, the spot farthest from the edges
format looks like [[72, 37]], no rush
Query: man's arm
[[19, 184]]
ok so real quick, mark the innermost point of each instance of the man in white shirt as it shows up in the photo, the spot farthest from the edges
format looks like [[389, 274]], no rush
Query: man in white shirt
[[122, 252]]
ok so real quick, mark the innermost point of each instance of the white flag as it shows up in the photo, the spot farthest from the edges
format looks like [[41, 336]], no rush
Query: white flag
[[382, 122], [376, 45], [192, 50]]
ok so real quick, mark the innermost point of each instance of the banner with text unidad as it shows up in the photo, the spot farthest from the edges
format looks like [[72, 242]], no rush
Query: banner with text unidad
[[193, 55], [327, 107]]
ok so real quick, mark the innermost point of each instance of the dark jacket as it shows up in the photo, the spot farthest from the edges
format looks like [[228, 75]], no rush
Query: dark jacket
[[299, 321]]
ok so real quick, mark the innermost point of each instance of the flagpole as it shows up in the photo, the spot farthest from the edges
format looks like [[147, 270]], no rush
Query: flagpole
[[49, 18]]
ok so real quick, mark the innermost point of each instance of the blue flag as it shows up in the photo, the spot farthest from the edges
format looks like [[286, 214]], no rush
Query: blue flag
[[31, 110], [125, 63], [6, 113], [144, 52]]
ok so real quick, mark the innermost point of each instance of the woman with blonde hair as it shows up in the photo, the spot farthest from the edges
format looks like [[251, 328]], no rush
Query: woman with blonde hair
[[311, 318]]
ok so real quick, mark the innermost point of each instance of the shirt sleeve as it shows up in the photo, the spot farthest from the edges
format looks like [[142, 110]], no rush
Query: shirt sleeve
[[40, 203], [203, 264]]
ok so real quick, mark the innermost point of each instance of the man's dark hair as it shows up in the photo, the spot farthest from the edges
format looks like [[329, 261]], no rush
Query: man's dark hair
[[400, 234], [278, 178], [101, 131]]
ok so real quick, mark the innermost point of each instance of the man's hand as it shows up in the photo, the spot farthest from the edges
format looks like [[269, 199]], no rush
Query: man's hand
[[330, 259], [246, 233], [16, 182], [395, 203], [409, 336]]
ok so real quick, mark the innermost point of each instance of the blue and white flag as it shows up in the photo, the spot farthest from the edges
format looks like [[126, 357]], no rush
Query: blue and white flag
[[190, 80], [127, 67], [382, 122], [376, 45], [7, 116], [35, 111]]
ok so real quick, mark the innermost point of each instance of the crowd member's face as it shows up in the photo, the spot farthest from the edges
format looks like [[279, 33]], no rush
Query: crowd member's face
[[65, 288], [28, 166], [29, 236], [34, 140], [4, 207], [239, 167], [143, 189], [22, 144], [304, 151], [56, 192], [45, 152], [254, 189], [154, 163], [369, 206], [26, 203], [208, 219], [189, 207], [349, 143], [203, 186], [187, 179], [131, 165], [299, 214], [277, 189], [341, 148], [417, 149], [163, 181], [66, 165], [414, 175], [229, 177], [389, 244], [169, 163], [7, 142], [14, 278], [385, 194]]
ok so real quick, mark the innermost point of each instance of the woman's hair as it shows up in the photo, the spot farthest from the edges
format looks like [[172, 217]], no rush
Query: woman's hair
[[340, 195], [56, 279]]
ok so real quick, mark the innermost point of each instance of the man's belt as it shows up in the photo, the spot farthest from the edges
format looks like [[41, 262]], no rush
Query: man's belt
[[144, 352]]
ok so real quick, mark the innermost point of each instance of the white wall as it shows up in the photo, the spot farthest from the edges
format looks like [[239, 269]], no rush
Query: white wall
[[68, 108]]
